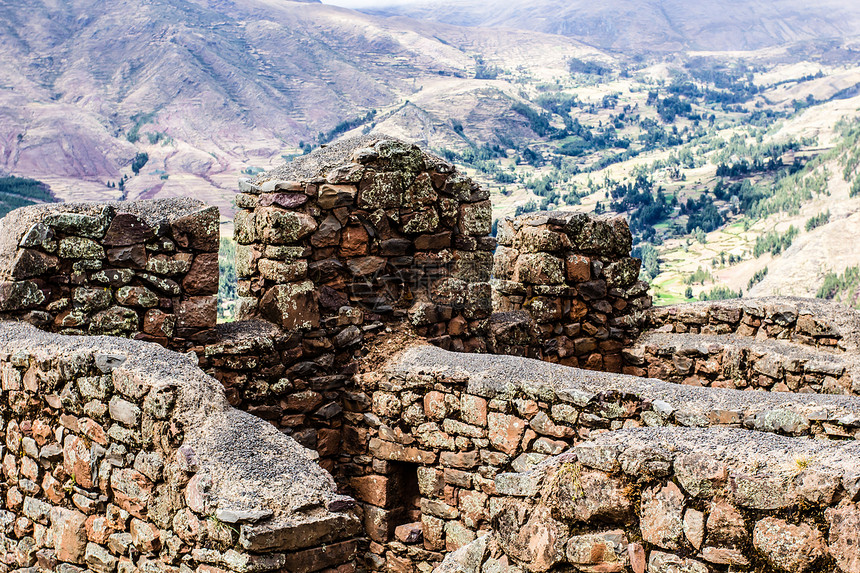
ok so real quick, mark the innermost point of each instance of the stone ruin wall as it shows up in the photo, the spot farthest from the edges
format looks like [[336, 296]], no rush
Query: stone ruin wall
[[147, 270], [341, 251], [119, 456], [775, 344], [566, 290], [670, 500], [480, 432]]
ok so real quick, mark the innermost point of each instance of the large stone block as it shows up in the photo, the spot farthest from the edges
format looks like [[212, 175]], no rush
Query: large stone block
[[476, 219], [198, 231], [538, 268], [292, 305], [279, 227]]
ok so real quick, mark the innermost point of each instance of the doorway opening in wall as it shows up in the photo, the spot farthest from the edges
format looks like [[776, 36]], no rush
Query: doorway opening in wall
[[228, 299], [407, 512]]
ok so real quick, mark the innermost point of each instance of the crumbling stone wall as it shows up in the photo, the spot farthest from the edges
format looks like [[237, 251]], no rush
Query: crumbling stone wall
[[147, 269], [817, 323], [373, 226], [576, 288], [778, 344], [676, 499], [122, 456], [332, 250], [453, 424]]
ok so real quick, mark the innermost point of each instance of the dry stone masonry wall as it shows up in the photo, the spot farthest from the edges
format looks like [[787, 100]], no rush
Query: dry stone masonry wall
[[374, 230], [346, 257], [120, 456], [566, 290], [452, 424], [778, 344], [676, 499], [147, 269]]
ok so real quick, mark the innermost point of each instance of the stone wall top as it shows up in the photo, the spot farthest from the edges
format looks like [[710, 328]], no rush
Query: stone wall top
[[676, 499], [511, 377], [808, 321], [585, 232], [143, 269], [88, 219], [326, 162]]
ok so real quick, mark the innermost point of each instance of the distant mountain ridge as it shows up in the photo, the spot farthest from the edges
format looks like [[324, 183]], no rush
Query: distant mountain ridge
[[211, 83], [652, 25]]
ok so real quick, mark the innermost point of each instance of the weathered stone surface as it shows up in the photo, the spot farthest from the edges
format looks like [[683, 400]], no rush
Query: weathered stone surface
[[844, 537], [279, 227], [583, 495], [70, 535], [660, 562], [80, 248], [136, 296], [198, 231], [505, 431], [788, 547], [291, 305], [662, 516], [539, 542], [127, 229]]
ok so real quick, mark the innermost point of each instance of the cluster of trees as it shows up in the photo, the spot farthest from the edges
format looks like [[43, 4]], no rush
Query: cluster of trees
[[702, 214], [720, 293], [578, 66], [844, 287], [774, 242], [818, 221], [138, 162], [645, 208], [757, 277], [344, 126], [20, 191]]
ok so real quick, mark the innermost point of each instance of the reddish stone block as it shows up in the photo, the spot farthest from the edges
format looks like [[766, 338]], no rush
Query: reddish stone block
[[328, 441], [132, 491], [434, 406], [98, 529], [505, 431], [198, 312], [76, 461], [202, 277], [70, 534], [409, 533], [473, 410], [373, 489]]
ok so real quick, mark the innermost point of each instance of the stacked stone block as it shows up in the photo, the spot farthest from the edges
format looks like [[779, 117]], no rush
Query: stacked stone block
[[573, 276], [370, 230], [146, 269], [777, 343], [676, 499], [731, 361], [120, 456], [454, 423], [811, 322]]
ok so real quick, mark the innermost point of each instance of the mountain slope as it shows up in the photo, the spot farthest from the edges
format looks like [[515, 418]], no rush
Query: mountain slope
[[209, 87], [652, 25]]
